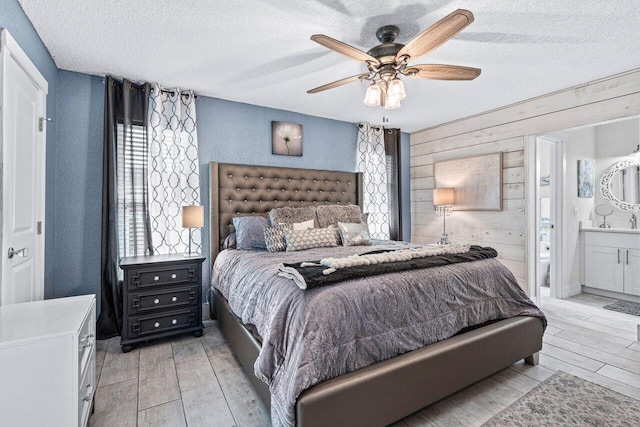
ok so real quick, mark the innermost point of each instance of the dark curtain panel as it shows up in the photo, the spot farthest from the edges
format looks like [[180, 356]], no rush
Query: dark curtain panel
[[392, 149], [125, 113]]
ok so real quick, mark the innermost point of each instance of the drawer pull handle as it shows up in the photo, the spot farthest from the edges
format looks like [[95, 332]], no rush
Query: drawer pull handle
[[174, 299], [156, 325], [156, 278], [156, 301], [173, 276], [174, 321], [86, 341]]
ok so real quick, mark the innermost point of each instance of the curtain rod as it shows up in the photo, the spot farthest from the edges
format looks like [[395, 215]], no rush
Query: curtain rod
[[375, 127], [173, 92]]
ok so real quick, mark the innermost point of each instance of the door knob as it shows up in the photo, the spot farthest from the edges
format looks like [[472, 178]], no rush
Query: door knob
[[24, 252]]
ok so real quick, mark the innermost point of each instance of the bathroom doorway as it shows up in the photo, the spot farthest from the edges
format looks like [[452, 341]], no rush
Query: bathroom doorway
[[547, 241]]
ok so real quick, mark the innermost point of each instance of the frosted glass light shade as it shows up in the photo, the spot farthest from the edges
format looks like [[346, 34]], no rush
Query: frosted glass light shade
[[443, 196], [391, 103], [396, 90], [372, 97], [192, 216]]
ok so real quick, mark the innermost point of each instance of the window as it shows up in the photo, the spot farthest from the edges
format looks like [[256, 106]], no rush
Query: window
[[132, 190]]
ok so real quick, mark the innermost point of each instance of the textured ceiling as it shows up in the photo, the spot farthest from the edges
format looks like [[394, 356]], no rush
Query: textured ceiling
[[259, 52]]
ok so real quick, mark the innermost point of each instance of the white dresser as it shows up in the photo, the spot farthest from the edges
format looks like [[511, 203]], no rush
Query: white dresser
[[47, 362], [611, 262]]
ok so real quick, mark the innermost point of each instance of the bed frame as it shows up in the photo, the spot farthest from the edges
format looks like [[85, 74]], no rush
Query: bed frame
[[387, 391]]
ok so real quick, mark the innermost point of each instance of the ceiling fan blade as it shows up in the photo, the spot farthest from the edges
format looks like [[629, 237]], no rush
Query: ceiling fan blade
[[442, 72], [437, 34], [339, 83], [343, 48]]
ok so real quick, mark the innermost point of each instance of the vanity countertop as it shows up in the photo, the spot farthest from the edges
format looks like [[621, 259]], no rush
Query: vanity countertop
[[610, 230]]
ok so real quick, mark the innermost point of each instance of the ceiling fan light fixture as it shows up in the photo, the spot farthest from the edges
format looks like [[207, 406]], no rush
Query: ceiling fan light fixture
[[396, 89], [372, 97], [391, 102]]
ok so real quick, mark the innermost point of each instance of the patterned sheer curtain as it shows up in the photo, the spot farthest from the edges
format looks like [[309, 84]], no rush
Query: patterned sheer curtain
[[372, 163], [174, 169]]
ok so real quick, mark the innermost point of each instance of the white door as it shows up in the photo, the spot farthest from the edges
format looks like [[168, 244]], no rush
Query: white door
[[23, 176]]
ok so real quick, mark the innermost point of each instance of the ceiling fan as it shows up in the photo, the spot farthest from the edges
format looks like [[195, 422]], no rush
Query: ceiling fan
[[387, 61]]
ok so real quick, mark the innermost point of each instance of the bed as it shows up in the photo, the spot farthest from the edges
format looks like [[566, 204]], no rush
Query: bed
[[383, 392]]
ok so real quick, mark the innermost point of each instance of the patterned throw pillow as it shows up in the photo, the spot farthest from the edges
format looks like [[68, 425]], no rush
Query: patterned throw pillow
[[289, 215], [250, 232], [331, 215], [274, 237], [354, 234], [298, 240]]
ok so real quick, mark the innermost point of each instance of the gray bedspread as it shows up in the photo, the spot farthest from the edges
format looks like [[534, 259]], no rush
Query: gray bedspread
[[309, 336]]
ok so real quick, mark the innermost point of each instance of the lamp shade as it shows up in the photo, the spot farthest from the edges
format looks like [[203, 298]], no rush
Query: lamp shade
[[192, 216], [396, 89], [443, 196], [372, 97]]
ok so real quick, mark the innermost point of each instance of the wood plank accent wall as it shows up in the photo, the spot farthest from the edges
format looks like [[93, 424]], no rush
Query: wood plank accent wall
[[508, 129]]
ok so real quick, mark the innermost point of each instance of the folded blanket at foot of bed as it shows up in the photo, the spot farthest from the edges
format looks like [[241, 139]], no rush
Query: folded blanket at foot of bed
[[310, 274]]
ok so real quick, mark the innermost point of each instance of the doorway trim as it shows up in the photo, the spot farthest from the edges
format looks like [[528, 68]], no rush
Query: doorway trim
[[558, 188]]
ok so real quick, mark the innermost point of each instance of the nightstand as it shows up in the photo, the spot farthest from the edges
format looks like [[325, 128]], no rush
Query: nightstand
[[161, 296]]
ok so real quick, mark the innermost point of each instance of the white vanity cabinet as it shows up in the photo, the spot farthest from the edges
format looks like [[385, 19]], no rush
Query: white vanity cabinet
[[47, 362], [611, 260]]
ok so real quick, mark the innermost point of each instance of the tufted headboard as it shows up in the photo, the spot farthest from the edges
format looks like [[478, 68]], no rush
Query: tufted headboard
[[237, 190]]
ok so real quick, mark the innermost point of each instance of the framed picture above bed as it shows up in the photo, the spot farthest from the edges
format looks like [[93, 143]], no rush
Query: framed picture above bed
[[286, 139], [477, 181]]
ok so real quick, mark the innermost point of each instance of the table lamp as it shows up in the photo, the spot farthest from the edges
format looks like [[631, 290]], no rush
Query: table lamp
[[444, 199], [192, 217]]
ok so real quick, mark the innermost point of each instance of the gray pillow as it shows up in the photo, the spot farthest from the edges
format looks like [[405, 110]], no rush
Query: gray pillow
[[229, 241], [250, 232], [298, 240], [274, 237], [354, 234], [289, 215], [331, 215]]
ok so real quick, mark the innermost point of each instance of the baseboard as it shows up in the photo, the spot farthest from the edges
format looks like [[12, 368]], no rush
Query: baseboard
[[610, 294]]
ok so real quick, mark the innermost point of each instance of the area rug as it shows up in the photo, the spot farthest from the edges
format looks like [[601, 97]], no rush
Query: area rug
[[565, 400], [627, 307]]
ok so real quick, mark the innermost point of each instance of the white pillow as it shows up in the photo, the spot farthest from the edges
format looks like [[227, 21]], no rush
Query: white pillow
[[305, 225]]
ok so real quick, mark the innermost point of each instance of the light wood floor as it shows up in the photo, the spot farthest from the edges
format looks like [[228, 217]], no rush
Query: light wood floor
[[198, 382]]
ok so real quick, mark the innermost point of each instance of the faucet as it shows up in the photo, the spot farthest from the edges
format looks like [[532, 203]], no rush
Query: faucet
[[634, 221]]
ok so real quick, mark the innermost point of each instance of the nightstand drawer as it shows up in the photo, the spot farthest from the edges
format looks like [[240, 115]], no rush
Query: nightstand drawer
[[140, 326], [165, 275], [140, 302]]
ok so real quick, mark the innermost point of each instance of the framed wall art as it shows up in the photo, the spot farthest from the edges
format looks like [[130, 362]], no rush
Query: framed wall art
[[286, 139], [477, 181]]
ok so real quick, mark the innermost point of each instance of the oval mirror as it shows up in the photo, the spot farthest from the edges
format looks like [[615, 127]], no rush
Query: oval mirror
[[620, 185], [604, 211]]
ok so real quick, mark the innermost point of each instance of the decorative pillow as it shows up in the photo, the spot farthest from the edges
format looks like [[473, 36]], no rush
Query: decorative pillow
[[250, 232], [289, 215], [229, 241], [302, 225], [354, 234], [331, 215], [298, 240], [274, 237]]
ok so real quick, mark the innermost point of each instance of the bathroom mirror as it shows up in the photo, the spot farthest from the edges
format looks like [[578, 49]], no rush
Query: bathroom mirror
[[620, 185]]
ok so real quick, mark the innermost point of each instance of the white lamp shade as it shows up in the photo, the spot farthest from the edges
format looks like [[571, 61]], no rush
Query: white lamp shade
[[443, 196], [372, 97], [396, 90], [192, 216]]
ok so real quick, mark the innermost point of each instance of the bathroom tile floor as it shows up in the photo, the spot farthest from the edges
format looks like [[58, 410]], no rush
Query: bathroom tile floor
[[198, 382]]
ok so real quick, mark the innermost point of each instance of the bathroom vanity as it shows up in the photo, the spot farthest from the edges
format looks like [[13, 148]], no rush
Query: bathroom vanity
[[611, 262]]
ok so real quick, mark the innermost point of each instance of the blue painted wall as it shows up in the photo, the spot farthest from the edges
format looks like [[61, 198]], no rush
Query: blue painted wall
[[78, 193], [13, 18]]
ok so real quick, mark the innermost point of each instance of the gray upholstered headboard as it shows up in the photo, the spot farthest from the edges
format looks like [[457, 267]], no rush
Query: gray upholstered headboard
[[237, 190]]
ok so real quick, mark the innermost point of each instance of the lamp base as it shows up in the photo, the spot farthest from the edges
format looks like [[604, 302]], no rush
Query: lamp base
[[444, 239]]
